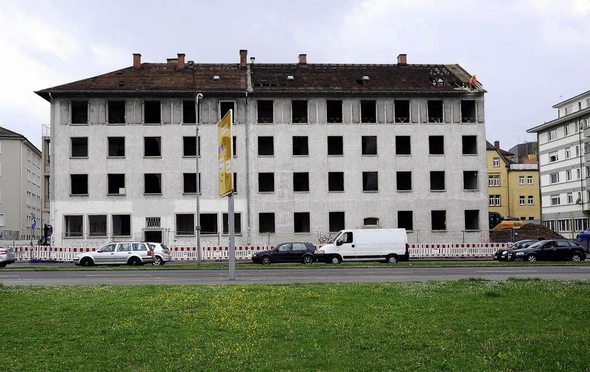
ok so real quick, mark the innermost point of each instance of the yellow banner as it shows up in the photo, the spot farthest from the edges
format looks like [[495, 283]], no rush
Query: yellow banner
[[224, 153]]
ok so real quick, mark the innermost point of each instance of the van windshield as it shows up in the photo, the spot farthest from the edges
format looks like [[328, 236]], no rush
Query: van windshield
[[331, 241]]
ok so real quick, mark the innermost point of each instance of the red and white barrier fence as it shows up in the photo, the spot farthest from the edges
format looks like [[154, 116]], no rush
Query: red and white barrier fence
[[184, 253]]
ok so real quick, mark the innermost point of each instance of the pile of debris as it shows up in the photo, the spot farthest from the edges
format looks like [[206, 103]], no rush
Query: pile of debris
[[528, 231]]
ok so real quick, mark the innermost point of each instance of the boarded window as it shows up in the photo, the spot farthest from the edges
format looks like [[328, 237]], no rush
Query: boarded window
[[153, 183], [152, 112], [336, 221], [368, 111], [209, 223], [437, 180], [189, 146], [470, 180], [335, 145], [438, 220], [402, 111], [369, 145], [265, 111], [402, 145], [185, 224], [301, 222], [405, 220], [468, 111], [266, 222], [116, 112], [370, 181], [265, 146], [97, 225], [79, 147], [404, 181], [266, 182], [299, 111], [300, 145], [435, 111], [188, 112], [436, 145], [237, 223], [300, 181], [116, 146], [469, 145], [121, 225], [74, 226], [152, 146], [79, 184], [472, 219], [116, 184], [79, 112], [335, 181], [334, 111]]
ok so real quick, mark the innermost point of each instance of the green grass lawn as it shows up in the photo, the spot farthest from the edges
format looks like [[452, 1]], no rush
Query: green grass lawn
[[462, 325]]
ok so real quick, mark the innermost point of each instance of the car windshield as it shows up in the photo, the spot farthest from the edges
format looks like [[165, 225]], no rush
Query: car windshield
[[536, 245]]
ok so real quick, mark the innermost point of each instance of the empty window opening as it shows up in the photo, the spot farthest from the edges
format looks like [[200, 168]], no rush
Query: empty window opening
[[74, 226], [470, 180], [468, 111], [299, 111], [224, 107], [116, 112], [301, 222], [121, 225], [336, 221], [97, 225], [300, 145], [371, 221], [469, 145], [402, 111], [336, 181], [436, 145], [402, 145], [435, 111], [237, 223], [472, 219], [266, 222], [300, 181], [152, 112], [368, 111], [185, 224], [79, 184], [79, 112], [335, 145], [438, 220], [265, 146], [152, 146], [234, 146], [152, 183], [437, 180], [209, 223], [265, 111], [405, 220], [79, 147], [370, 181], [116, 184], [404, 181], [369, 145], [188, 112], [190, 183], [334, 111], [266, 182], [116, 146], [189, 146], [235, 182]]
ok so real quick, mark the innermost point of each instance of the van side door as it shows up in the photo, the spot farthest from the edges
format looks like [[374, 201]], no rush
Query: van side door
[[346, 246]]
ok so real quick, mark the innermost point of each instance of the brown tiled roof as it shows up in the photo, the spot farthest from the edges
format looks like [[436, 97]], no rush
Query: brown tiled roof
[[503, 153], [165, 78]]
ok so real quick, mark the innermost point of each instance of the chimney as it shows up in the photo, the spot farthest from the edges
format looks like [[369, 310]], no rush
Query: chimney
[[243, 57], [136, 60], [180, 60], [497, 145], [303, 59], [402, 60]]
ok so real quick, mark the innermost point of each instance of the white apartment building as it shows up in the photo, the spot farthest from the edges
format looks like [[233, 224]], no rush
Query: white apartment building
[[564, 162], [20, 187], [316, 148]]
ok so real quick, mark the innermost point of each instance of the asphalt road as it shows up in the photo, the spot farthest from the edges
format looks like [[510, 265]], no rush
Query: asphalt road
[[266, 275]]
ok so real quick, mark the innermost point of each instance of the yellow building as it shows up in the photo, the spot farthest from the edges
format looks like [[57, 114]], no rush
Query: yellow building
[[513, 188]]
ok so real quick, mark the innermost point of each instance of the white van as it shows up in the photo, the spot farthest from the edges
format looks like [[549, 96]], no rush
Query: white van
[[390, 245]]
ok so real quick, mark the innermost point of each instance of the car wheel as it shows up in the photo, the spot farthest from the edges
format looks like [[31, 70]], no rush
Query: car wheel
[[86, 261], [265, 260], [134, 261], [531, 258], [576, 257], [158, 261], [2, 264], [307, 260], [391, 259], [335, 260]]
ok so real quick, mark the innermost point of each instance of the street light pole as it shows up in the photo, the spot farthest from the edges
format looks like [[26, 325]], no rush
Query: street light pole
[[198, 97]]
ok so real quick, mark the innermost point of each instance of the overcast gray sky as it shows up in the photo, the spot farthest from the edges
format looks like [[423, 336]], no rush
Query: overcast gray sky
[[528, 54]]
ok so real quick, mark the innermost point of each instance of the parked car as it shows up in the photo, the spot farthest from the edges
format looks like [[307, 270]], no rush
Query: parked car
[[6, 256], [161, 254], [286, 252], [502, 254], [118, 253], [584, 234], [550, 250]]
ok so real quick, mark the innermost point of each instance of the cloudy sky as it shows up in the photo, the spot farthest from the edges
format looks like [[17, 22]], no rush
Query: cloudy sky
[[528, 54]]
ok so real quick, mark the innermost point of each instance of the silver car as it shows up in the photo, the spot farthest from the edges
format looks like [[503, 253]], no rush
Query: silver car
[[117, 253], [161, 254], [6, 256]]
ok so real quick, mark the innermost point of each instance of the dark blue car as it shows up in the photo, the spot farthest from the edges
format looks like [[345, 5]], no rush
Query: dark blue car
[[286, 252]]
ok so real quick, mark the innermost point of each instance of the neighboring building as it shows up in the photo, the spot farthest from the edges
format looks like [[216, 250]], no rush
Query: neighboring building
[[525, 152], [20, 187], [513, 188], [46, 161], [317, 148], [564, 161]]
